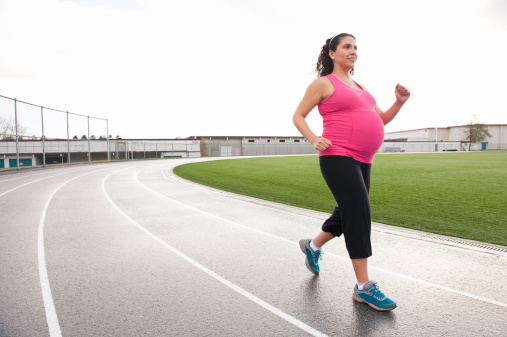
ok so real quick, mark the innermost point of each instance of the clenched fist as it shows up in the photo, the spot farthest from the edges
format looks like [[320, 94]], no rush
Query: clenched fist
[[402, 93], [320, 144]]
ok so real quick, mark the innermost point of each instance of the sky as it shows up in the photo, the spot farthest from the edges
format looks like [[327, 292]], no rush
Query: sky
[[167, 69]]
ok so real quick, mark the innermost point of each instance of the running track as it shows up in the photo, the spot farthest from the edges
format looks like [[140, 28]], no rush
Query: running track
[[129, 249]]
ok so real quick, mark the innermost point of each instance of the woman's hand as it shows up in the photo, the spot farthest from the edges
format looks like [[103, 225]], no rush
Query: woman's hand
[[402, 93], [320, 144]]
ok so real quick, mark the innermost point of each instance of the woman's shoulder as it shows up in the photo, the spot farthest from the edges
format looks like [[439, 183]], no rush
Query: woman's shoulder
[[321, 83], [322, 80], [322, 86]]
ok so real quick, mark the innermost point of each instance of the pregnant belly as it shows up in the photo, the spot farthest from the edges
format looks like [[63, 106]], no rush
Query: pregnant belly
[[359, 137], [368, 135]]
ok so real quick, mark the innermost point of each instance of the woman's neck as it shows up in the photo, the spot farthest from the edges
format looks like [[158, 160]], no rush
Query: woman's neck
[[343, 74]]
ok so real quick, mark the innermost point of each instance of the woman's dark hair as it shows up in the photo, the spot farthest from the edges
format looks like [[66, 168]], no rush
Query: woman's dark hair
[[324, 63]]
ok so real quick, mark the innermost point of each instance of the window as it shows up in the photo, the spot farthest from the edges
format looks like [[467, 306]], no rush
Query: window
[[282, 140], [296, 140], [251, 141]]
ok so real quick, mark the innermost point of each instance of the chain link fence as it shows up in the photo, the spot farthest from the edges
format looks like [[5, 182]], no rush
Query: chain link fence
[[51, 133], [33, 135]]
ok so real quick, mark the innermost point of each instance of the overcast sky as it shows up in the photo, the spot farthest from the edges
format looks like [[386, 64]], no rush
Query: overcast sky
[[166, 69]]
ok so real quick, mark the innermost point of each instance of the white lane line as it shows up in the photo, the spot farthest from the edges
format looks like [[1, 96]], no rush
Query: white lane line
[[56, 175], [406, 277], [438, 286], [216, 276], [21, 176], [49, 304]]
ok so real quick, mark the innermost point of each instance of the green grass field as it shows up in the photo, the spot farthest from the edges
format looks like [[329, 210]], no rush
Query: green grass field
[[457, 194]]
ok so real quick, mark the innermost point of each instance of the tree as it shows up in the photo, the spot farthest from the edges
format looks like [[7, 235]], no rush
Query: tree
[[75, 137], [84, 137], [475, 132], [93, 137], [203, 147], [8, 128]]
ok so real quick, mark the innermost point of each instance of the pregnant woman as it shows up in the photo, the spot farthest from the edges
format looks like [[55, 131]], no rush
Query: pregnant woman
[[353, 133]]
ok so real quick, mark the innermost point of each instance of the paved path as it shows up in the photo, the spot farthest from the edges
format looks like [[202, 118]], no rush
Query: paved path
[[128, 249]]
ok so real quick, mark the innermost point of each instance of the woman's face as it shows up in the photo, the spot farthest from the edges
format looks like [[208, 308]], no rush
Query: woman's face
[[345, 54]]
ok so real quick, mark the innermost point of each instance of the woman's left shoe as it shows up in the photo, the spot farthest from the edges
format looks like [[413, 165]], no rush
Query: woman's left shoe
[[372, 296], [312, 256]]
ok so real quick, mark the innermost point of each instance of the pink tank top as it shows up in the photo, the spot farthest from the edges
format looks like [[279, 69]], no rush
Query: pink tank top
[[351, 123]]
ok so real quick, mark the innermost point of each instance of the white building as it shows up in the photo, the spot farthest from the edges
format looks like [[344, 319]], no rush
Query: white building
[[447, 139], [37, 152]]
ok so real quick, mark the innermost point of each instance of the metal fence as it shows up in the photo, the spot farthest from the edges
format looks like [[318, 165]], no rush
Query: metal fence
[[21, 121], [420, 146], [424, 146], [255, 146], [267, 146]]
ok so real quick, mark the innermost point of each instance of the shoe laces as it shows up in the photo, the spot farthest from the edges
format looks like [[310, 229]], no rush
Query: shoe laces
[[375, 289], [318, 255]]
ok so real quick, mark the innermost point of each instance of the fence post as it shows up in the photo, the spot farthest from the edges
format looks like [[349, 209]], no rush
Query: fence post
[[89, 154], [16, 130], [68, 140], [43, 148], [436, 139], [107, 137]]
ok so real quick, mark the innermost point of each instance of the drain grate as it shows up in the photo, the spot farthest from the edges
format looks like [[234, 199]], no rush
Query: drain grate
[[453, 240], [466, 243]]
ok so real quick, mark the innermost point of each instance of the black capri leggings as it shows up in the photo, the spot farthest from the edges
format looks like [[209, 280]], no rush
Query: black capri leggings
[[349, 181]]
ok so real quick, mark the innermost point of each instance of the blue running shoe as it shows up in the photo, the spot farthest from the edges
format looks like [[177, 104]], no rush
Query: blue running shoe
[[312, 257], [372, 296]]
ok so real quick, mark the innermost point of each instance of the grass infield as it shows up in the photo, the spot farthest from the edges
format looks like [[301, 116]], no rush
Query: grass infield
[[457, 194]]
